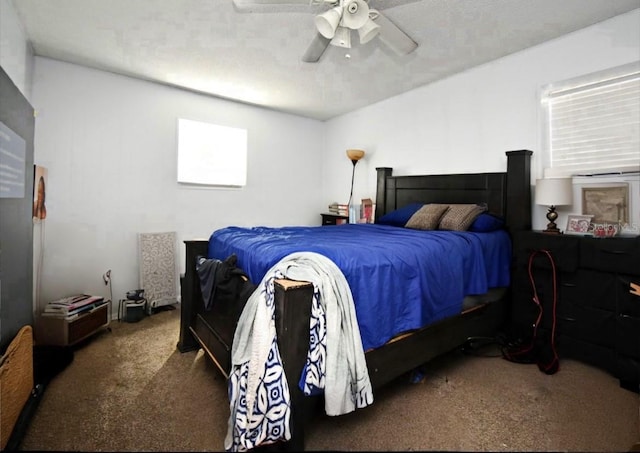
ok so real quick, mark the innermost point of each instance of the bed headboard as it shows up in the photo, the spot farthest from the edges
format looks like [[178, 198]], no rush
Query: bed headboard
[[507, 194]]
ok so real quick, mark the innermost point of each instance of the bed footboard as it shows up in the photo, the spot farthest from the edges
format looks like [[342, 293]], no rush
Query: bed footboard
[[293, 308]]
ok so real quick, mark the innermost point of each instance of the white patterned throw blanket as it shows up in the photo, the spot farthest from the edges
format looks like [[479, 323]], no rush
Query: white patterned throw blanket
[[258, 390]]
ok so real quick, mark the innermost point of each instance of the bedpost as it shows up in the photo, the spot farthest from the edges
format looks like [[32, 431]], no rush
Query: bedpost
[[293, 303], [518, 213], [381, 190], [190, 293]]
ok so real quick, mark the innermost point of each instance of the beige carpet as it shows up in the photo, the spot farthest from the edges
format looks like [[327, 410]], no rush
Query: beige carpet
[[131, 390]]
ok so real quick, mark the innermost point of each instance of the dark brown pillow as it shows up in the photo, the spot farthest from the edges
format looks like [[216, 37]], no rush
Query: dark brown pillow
[[459, 217], [427, 217]]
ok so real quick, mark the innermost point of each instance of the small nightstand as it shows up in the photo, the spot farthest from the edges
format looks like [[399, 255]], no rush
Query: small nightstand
[[62, 332], [334, 219]]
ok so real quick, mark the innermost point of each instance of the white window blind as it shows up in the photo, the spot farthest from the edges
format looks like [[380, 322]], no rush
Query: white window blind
[[593, 123]]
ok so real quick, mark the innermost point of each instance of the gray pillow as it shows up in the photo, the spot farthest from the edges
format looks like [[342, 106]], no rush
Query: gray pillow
[[427, 217], [459, 217]]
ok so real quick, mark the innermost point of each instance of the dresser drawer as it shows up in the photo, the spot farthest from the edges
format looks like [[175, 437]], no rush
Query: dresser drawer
[[589, 288], [590, 325], [564, 250], [599, 356], [627, 297], [620, 255], [628, 336], [628, 371], [88, 323]]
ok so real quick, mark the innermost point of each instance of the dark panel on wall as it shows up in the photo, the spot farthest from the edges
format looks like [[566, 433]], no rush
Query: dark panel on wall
[[16, 224]]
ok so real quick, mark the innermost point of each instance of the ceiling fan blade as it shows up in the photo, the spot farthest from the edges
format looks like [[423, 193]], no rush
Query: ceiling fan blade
[[316, 49], [240, 3], [385, 4], [393, 37], [269, 5]]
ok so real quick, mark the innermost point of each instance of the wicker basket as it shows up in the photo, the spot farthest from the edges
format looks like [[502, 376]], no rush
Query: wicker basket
[[16, 381]]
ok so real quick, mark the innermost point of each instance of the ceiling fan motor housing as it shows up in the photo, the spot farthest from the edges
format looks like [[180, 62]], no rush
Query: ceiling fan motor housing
[[357, 14]]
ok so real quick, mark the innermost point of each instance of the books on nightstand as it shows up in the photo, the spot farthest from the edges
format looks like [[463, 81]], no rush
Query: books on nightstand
[[73, 306], [339, 209]]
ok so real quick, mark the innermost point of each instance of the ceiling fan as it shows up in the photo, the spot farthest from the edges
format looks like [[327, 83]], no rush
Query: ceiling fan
[[334, 26]]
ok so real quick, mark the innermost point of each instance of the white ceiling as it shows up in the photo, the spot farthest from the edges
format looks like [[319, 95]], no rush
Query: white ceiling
[[254, 55]]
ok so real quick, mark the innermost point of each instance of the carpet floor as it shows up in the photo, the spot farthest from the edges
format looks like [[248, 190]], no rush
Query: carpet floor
[[130, 389]]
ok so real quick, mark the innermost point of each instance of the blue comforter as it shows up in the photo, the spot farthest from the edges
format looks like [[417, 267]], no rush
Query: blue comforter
[[401, 279]]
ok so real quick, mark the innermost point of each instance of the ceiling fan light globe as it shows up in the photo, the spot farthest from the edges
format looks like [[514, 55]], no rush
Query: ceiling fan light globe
[[328, 22], [368, 31], [356, 14]]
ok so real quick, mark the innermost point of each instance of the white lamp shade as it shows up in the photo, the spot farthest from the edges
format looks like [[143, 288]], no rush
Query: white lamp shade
[[328, 22], [368, 31], [356, 14], [355, 154], [554, 192]]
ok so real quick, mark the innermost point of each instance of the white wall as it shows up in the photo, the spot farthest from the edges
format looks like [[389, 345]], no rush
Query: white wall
[[109, 144], [466, 122], [16, 54]]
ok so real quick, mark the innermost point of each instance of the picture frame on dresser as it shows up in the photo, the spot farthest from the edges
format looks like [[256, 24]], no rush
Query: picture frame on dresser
[[578, 224], [605, 230]]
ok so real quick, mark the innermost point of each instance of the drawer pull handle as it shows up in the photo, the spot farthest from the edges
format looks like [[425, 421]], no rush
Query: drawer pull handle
[[569, 285], [615, 252]]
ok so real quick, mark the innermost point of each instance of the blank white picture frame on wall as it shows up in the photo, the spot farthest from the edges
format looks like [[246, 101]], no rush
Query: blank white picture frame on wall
[[211, 154]]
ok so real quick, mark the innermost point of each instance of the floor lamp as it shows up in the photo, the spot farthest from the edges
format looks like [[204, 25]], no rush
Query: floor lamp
[[354, 156]]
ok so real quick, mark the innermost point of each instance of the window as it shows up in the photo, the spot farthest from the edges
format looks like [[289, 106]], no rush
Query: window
[[593, 123], [211, 155]]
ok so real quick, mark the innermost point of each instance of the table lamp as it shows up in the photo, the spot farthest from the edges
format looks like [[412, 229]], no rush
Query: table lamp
[[553, 192]]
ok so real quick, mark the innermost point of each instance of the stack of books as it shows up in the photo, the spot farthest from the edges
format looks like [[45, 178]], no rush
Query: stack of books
[[339, 209], [71, 307]]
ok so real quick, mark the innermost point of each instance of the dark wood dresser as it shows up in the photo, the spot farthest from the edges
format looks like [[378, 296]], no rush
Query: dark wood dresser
[[598, 298]]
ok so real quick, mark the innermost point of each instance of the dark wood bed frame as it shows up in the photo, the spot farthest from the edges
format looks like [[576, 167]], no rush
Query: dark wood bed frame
[[507, 194]]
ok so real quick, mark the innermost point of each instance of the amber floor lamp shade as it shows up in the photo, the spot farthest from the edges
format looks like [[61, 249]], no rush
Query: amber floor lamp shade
[[553, 192], [354, 156]]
